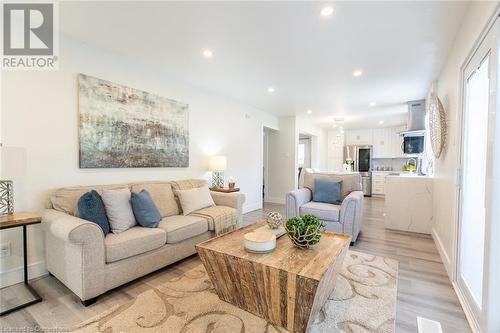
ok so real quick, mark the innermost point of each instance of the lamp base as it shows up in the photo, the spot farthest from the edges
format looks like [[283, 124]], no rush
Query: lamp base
[[218, 179], [6, 197]]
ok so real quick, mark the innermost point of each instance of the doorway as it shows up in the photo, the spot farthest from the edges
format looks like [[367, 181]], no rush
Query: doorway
[[303, 153], [475, 262]]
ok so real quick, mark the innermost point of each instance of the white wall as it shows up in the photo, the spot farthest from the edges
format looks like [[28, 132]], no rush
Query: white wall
[[445, 214], [40, 113], [283, 166]]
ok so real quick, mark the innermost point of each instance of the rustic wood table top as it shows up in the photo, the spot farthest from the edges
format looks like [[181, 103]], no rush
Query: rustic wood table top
[[224, 189], [19, 219], [311, 263]]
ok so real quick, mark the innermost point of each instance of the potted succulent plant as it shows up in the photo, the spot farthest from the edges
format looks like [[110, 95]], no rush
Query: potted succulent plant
[[305, 231]]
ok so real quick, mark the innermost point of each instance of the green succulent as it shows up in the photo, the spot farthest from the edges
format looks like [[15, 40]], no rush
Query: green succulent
[[308, 225]]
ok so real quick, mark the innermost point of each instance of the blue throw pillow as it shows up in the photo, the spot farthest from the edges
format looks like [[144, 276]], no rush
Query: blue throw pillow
[[91, 208], [145, 211], [327, 191]]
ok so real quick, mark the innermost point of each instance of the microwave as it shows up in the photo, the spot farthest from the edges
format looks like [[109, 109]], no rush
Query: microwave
[[413, 145]]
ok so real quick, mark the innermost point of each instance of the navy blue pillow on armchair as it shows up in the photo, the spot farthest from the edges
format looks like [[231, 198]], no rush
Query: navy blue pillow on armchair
[[91, 208], [327, 191], [145, 211]]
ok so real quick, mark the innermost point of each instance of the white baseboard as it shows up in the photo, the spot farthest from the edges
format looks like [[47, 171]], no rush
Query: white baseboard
[[442, 253], [16, 275], [275, 200], [474, 325], [251, 207]]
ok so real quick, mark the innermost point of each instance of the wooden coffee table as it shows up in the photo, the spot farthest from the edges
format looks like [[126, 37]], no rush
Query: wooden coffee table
[[287, 287]]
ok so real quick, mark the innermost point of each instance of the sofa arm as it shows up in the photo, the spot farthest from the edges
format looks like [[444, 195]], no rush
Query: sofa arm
[[234, 200], [75, 252], [295, 199], [351, 213]]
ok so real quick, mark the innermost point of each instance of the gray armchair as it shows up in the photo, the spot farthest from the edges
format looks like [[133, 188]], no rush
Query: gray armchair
[[346, 218]]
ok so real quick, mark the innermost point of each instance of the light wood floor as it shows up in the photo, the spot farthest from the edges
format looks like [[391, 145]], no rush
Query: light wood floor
[[423, 286]]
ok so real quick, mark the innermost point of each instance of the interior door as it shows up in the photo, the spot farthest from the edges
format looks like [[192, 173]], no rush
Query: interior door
[[477, 126]]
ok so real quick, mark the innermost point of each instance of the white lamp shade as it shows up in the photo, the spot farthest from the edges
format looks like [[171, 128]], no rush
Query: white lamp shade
[[13, 162], [217, 163]]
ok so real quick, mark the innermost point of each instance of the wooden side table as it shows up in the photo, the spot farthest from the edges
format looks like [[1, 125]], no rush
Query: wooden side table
[[224, 189], [22, 220]]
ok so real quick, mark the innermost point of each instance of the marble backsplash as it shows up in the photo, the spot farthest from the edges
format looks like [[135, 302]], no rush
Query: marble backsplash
[[397, 164]]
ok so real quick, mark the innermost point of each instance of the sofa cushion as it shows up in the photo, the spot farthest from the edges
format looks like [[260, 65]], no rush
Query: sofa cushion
[[327, 191], [145, 211], [91, 208], [132, 242], [194, 199], [324, 211], [118, 209], [180, 227], [66, 199], [162, 195], [350, 181]]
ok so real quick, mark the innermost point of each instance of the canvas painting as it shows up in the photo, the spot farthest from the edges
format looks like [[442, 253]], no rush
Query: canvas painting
[[122, 127]]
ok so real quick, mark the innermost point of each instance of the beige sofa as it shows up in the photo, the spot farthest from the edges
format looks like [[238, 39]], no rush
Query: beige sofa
[[346, 217], [78, 254]]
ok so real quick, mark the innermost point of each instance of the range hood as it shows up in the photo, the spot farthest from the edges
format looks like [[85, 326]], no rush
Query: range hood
[[416, 119]]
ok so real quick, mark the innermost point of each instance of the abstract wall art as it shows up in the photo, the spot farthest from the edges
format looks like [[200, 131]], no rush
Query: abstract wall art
[[122, 127]]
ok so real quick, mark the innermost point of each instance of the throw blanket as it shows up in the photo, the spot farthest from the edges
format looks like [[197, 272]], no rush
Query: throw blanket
[[221, 219]]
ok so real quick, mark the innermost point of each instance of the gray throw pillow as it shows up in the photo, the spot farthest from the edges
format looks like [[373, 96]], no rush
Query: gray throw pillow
[[118, 209]]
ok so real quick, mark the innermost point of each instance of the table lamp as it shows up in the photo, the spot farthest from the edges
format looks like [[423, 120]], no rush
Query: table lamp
[[217, 164], [13, 165]]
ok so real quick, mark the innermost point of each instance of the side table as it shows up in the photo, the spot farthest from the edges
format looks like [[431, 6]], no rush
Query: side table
[[22, 220], [224, 189]]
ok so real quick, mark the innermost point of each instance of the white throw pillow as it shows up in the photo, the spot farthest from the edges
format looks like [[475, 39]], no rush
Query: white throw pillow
[[194, 199], [118, 209]]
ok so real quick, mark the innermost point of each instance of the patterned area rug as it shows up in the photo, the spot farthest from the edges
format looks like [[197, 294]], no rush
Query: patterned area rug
[[364, 300]]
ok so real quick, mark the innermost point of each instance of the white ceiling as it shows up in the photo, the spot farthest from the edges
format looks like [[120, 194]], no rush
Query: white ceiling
[[308, 59]]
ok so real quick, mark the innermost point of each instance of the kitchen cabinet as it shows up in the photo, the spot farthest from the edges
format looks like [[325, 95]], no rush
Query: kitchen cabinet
[[359, 137], [382, 142], [335, 151], [397, 142], [378, 182]]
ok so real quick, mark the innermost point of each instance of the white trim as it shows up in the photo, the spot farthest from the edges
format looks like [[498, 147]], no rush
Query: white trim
[[251, 207], [445, 258], [471, 318], [276, 200], [16, 275]]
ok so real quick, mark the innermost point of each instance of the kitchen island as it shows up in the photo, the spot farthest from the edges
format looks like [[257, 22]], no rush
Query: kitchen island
[[408, 202]]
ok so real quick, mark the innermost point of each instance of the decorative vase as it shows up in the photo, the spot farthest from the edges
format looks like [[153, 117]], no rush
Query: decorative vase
[[274, 220], [304, 232]]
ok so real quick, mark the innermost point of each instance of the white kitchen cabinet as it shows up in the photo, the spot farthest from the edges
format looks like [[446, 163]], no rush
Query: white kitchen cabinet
[[397, 142], [359, 137], [378, 182], [335, 151], [382, 142]]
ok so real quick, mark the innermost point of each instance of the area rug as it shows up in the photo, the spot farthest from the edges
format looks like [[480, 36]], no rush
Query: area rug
[[364, 300]]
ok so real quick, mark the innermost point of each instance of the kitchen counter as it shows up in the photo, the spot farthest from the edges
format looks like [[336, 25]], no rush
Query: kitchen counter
[[408, 202]]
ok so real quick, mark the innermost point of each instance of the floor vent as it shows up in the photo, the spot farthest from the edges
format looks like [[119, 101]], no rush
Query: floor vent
[[428, 326]]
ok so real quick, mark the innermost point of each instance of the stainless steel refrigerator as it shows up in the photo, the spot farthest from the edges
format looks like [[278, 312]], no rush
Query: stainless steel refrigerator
[[361, 157]]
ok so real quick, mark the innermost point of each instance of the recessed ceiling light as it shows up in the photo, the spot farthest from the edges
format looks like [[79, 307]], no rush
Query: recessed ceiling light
[[208, 53], [326, 11], [309, 111], [372, 104], [357, 72], [270, 90], [381, 122]]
